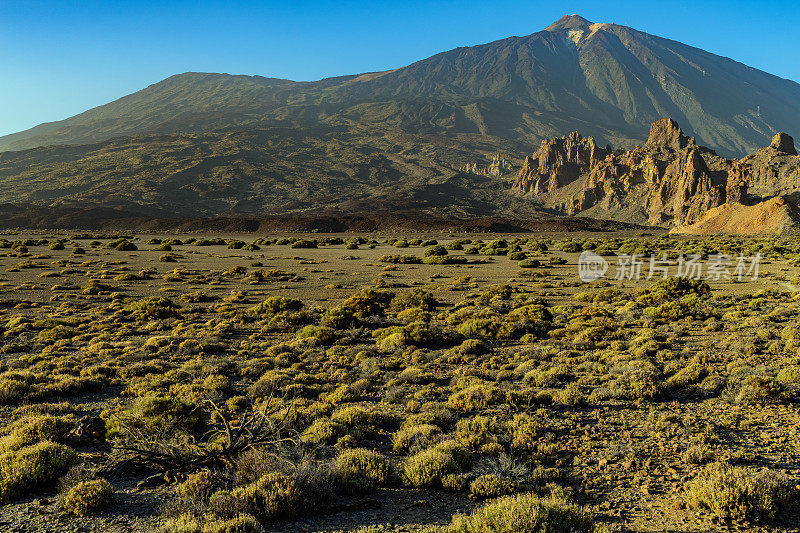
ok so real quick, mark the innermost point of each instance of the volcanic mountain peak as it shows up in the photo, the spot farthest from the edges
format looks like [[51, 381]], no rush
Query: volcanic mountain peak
[[605, 80], [569, 22]]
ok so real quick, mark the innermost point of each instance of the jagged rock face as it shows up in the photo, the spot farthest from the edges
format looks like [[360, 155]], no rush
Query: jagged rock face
[[774, 170], [496, 168], [678, 190], [665, 133], [737, 184], [558, 162], [783, 144], [695, 192], [670, 180], [611, 180]]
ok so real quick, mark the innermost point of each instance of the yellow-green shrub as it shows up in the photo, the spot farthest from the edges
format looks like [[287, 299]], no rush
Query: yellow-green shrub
[[274, 495], [188, 523], [28, 469], [524, 513], [735, 493], [88, 496], [428, 467], [361, 470], [492, 486]]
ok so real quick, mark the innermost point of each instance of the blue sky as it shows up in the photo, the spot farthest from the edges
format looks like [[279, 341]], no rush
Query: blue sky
[[58, 58]]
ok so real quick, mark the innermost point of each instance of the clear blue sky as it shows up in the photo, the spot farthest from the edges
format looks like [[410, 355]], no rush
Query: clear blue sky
[[58, 58]]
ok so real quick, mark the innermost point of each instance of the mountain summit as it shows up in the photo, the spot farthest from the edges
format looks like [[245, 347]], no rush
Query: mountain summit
[[569, 22]]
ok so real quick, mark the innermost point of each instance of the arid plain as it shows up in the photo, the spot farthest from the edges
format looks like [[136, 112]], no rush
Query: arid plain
[[396, 383]]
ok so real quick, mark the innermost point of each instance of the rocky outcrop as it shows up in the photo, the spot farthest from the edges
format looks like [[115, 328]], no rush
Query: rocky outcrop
[[496, 168], [773, 216], [668, 181], [783, 144], [665, 133], [694, 191], [558, 162], [773, 170], [674, 181], [736, 184]]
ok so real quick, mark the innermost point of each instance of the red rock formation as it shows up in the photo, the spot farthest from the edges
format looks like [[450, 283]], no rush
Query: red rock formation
[[558, 162], [670, 180]]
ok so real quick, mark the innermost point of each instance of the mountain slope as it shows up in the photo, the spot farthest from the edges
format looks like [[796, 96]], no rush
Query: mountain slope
[[604, 80]]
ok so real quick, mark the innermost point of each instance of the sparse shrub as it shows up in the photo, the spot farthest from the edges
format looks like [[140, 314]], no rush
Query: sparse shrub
[[492, 486], [95, 287], [368, 302], [153, 307], [475, 398], [401, 259], [524, 513], [361, 470], [323, 335], [29, 469], [471, 347], [416, 437], [88, 496], [735, 493], [756, 389], [125, 246], [275, 305], [789, 374], [419, 298], [474, 432], [322, 431], [571, 395], [698, 455], [454, 482], [638, 379], [29, 430], [274, 495], [437, 250], [525, 430], [198, 487], [189, 523], [155, 412], [337, 318], [428, 467]]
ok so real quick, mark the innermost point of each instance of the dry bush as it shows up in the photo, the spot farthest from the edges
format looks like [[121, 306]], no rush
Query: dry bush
[[735, 493]]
